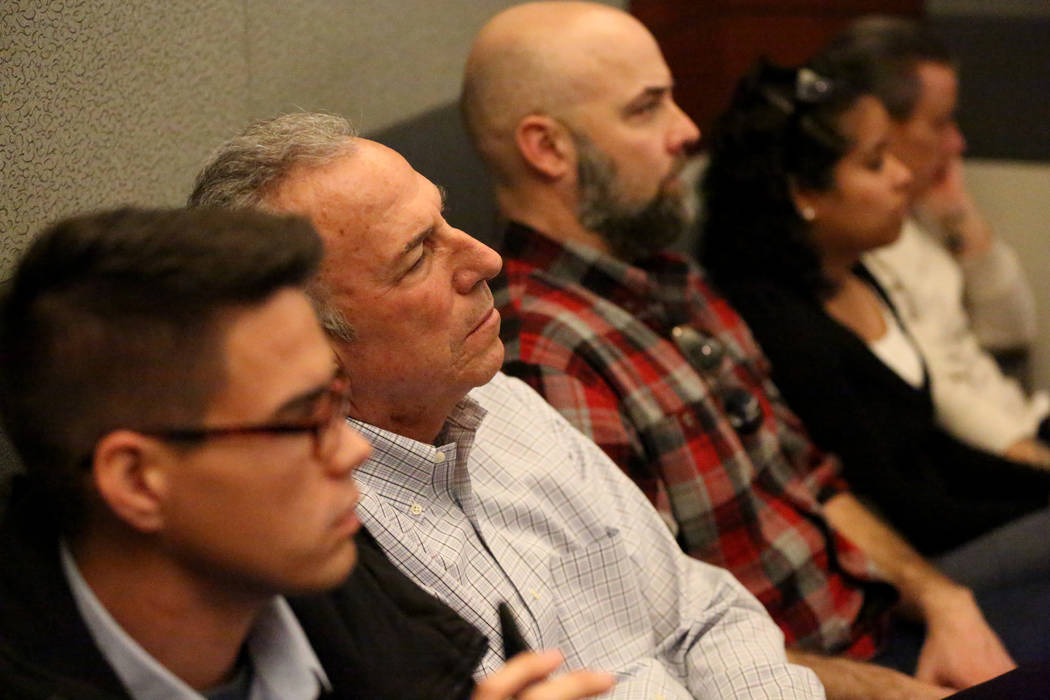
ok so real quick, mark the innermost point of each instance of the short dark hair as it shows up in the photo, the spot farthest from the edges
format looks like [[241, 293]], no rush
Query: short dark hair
[[115, 320], [881, 55], [782, 129]]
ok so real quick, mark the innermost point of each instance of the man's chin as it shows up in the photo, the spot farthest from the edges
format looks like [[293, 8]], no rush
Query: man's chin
[[648, 232], [489, 365]]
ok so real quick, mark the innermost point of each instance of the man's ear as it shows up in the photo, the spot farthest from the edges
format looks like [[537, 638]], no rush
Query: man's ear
[[545, 145], [130, 472]]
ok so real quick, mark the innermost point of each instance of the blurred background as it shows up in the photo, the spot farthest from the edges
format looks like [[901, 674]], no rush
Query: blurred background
[[107, 102]]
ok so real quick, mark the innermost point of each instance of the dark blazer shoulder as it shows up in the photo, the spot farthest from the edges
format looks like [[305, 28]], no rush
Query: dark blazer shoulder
[[379, 635], [45, 645]]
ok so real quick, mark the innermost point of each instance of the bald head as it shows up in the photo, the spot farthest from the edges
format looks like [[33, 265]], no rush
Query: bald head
[[570, 105], [548, 58]]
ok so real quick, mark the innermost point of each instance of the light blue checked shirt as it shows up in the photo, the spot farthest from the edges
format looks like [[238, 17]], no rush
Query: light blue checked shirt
[[284, 664], [516, 505]]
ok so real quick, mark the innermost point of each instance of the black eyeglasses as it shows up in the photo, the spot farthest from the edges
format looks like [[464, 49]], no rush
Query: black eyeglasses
[[330, 412]]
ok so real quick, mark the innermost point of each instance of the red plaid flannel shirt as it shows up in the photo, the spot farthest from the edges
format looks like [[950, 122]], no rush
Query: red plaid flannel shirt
[[592, 335]]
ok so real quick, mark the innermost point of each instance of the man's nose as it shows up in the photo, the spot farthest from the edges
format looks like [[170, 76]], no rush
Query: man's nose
[[352, 453], [476, 262], [684, 132]]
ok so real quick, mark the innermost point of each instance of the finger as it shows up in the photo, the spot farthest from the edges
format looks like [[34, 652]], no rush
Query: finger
[[925, 671], [521, 671], [578, 684]]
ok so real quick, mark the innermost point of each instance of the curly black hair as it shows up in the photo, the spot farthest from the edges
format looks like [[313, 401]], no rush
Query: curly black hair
[[781, 130]]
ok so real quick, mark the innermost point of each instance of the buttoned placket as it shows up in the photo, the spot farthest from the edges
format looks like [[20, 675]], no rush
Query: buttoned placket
[[532, 600]]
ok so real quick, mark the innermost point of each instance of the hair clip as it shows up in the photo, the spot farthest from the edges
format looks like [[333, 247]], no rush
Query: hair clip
[[810, 86]]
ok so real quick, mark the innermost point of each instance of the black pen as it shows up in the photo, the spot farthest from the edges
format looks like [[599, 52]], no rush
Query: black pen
[[513, 642]]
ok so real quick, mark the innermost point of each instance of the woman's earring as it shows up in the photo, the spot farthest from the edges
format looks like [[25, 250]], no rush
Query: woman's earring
[[808, 213]]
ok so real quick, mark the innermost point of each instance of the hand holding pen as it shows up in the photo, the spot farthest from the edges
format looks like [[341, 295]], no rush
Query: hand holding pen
[[525, 676]]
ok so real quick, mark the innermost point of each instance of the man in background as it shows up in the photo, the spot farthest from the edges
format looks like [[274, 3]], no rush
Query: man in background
[[958, 287], [570, 105]]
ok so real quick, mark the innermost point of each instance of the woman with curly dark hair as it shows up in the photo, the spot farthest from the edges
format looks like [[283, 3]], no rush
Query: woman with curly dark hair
[[798, 186]]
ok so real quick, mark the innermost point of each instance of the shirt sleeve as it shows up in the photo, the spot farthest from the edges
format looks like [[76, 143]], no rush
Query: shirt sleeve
[[954, 312], [999, 300], [712, 637]]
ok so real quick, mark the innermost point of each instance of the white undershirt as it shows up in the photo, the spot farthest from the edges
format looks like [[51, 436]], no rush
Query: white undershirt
[[897, 351]]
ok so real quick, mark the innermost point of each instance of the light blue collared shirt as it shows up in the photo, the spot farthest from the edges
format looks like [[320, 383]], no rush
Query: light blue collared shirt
[[284, 666]]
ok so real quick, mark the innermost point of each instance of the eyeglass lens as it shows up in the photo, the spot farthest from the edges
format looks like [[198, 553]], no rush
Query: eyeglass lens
[[333, 414]]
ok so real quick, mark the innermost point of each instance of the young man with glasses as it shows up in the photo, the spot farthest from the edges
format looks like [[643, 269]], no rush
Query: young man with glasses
[[185, 465], [181, 419]]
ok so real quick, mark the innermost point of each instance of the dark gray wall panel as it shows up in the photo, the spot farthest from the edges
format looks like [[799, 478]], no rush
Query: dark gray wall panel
[[1004, 106], [436, 145]]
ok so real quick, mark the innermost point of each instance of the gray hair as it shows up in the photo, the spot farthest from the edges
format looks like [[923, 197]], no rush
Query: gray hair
[[248, 168], [242, 172], [333, 320]]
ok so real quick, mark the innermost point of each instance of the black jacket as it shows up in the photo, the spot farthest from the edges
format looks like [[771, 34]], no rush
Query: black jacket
[[936, 490], [378, 636]]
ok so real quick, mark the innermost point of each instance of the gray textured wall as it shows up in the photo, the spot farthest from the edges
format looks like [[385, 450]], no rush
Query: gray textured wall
[[109, 102], [104, 102]]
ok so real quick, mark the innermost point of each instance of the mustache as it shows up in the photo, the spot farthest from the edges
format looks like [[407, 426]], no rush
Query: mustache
[[679, 167]]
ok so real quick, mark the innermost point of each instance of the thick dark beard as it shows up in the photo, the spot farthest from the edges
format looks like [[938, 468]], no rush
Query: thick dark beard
[[632, 232]]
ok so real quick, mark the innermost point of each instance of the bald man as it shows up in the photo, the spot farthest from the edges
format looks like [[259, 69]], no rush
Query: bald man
[[570, 106]]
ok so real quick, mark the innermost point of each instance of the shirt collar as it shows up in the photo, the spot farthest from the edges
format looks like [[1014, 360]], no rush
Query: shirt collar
[[283, 663], [651, 289], [401, 469]]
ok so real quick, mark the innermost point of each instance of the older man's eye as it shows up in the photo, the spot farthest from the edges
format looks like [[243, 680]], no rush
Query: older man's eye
[[417, 264]]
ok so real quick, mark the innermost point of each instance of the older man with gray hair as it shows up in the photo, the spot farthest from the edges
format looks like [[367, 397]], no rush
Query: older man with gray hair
[[476, 488]]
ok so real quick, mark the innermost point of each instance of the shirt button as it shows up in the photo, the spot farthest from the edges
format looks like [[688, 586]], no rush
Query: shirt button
[[415, 509], [439, 457]]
